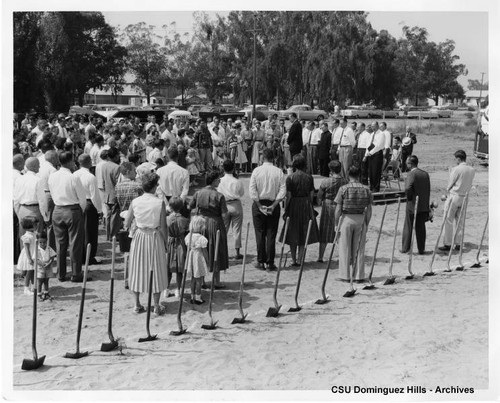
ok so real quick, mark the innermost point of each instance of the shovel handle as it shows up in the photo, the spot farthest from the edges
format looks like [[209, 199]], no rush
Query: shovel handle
[[412, 236], [463, 231], [214, 267], [302, 260], [275, 292], [456, 230], [240, 296], [395, 236], [439, 237], [335, 240], [183, 284], [376, 244], [82, 301], [33, 334], [355, 263], [113, 256], [482, 240]]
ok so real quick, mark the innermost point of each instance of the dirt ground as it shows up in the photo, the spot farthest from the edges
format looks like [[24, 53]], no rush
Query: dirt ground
[[428, 331]]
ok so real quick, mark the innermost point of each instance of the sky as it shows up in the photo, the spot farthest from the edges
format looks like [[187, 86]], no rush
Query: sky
[[469, 29]]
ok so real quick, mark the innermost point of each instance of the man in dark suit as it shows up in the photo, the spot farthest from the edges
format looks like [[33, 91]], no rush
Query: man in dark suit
[[407, 149], [294, 136], [110, 171], [417, 184], [324, 150]]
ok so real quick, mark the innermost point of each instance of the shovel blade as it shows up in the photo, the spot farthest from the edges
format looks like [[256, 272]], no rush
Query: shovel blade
[[322, 301], [390, 281], [77, 355], [296, 309], [410, 277], [149, 338], [349, 294], [459, 268], [211, 326], [30, 365], [109, 346], [475, 265], [369, 287], [178, 332], [273, 312], [447, 270], [429, 273]]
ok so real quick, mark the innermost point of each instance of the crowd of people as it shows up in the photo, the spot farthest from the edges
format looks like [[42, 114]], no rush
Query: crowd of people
[[69, 172]]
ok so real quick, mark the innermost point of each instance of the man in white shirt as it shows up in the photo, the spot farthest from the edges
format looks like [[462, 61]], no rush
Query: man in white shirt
[[61, 126], [364, 141], [233, 191], [174, 180], [267, 189], [387, 144], [90, 127], [375, 157], [67, 218], [28, 193], [39, 130], [157, 152], [47, 168], [336, 134], [93, 206], [169, 137], [346, 145], [152, 125], [459, 184], [306, 144]]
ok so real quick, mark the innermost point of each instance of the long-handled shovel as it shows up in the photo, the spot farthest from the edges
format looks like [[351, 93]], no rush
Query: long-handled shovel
[[240, 296], [78, 354], [297, 308], [412, 237], [213, 325], [477, 263], [149, 337], [125, 272], [391, 279], [273, 312], [112, 342], [452, 246], [325, 299], [430, 272], [350, 293], [183, 330], [371, 286], [460, 266], [36, 362]]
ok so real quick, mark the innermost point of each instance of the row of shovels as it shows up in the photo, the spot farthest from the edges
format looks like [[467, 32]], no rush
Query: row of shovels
[[37, 362]]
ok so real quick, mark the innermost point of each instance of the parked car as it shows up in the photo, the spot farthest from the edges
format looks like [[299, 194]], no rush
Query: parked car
[[304, 112], [222, 112], [384, 113], [194, 109], [262, 112], [355, 112], [448, 106], [415, 112]]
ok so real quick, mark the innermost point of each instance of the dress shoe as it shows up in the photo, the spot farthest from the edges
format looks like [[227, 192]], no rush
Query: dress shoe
[[272, 267], [259, 266], [93, 262], [62, 279], [457, 247], [238, 257], [445, 248], [403, 251]]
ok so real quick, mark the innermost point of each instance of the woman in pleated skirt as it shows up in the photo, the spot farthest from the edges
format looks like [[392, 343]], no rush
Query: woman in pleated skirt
[[148, 247]]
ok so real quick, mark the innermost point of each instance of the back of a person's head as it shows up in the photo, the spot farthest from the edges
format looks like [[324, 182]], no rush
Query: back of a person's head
[[354, 171], [45, 145], [134, 158], [267, 154], [335, 166], [176, 204], [126, 167], [460, 154], [173, 153], [65, 157], [212, 176], [197, 224], [159, 163], [104, 155], [149, 181], [228, 166], [84, 160], [158, 143], [299, 162], [113, 153], [413, 160]]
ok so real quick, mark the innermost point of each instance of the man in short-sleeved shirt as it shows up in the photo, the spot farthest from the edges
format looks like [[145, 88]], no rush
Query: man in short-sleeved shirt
[[352, 200]]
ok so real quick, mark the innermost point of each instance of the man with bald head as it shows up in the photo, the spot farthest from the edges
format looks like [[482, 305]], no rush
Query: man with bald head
[[18, 166], [70, 202], [375, 157], [28, 193], [93, 207]]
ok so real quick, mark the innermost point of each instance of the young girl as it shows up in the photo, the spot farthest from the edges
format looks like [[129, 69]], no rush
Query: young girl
[[46, 257], [198, 257], [27, 256], [177, 227], [191, 165]]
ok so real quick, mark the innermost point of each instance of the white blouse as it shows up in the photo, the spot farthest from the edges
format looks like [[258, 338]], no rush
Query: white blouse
[[147, 210]]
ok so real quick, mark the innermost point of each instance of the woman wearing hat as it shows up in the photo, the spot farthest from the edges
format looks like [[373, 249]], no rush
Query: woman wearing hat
[[407, 149]]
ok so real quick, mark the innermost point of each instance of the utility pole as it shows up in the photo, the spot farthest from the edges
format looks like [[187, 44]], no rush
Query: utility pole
[[254, 31]]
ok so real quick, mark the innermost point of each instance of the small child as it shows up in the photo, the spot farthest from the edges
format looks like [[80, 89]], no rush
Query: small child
[[46, 257], [191, 165], [178, 227], [197, 259], [27, 256], [395, 161]]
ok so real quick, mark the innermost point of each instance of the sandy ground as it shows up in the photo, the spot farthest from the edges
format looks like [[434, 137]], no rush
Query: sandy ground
[[428, 331]]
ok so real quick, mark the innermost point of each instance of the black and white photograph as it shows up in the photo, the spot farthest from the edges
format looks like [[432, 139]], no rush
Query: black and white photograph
[[249, 201]]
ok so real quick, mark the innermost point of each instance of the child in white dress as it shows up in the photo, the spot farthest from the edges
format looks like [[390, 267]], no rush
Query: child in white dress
[[197, 259], [27, 256], [46, 257]]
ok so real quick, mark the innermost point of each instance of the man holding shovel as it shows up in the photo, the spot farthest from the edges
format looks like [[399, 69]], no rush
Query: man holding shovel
[[459, 185], [351, 200]]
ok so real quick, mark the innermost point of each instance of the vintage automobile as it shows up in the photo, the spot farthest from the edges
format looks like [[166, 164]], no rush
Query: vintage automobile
[[442, 113], [304, 112], [384, 113], [222, 112], [355, 112], [262, 112], [421, 112]]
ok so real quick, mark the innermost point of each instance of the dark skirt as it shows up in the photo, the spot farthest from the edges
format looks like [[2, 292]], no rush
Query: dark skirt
[[300, 212], [176, 251], [327, 222], [212, 225]]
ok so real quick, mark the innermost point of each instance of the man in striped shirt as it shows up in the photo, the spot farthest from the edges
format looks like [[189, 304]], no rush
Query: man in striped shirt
[[352, 200]]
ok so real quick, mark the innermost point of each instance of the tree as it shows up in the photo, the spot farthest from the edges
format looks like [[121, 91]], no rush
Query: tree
[[146, 59], [476, 85]]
